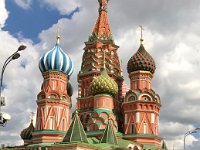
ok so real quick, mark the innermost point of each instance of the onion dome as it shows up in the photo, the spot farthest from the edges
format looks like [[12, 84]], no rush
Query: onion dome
[[103, 84], [56, 60], [141, 61], [69, 89], [26, 134]]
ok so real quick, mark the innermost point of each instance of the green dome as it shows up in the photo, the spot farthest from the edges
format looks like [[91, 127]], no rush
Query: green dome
[[26, 134], [104, 84]]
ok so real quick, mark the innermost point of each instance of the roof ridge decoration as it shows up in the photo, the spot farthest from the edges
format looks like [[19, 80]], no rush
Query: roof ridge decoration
[[109, 134], [75, 132]]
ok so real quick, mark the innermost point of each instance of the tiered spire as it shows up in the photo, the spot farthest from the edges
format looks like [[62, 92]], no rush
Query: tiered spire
[[109, 135], [76, 132], [102, 28]]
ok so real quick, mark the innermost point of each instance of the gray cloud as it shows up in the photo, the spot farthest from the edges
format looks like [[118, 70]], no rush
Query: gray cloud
[[171, 36]]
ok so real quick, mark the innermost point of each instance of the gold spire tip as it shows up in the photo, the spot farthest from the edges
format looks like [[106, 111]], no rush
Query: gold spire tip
[[32, 116], [103, 5], [58, 35], [141, 38]]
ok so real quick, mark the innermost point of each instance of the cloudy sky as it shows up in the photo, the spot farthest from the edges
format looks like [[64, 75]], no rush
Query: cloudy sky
[[171, 36]]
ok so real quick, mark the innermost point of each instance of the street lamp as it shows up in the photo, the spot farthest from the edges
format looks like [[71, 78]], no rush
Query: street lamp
[[14, 56], [188, 133]]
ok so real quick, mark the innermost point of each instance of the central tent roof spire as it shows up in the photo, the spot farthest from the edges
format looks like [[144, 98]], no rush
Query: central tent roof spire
[[102, 27], [103, 5]]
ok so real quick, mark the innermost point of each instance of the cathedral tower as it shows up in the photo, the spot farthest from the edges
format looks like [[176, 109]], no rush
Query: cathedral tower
[[54, 102], [100, 49], [141, 105]]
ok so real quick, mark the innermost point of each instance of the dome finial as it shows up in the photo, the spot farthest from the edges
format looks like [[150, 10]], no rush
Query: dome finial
[[32, 116], [104, 62], [58, 35], [141, 39], [103, 5]]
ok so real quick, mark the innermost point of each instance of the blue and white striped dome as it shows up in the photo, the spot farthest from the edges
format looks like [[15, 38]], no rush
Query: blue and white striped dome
[[57, 60]]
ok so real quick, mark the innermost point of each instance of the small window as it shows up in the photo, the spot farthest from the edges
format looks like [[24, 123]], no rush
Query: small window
[[87, 119], [137, 117], [132, 128], [51, 124], [145, 128], [63, 124]]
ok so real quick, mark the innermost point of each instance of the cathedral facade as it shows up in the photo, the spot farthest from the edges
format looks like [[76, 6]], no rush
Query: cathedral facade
[[109, 114]]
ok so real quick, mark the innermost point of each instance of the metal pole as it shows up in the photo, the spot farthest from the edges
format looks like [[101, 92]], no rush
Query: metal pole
[[15, 55], [9, 59], [185, 138], [188, 133]]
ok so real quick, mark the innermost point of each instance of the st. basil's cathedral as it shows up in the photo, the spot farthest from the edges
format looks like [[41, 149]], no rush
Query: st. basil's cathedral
[[109, 115]]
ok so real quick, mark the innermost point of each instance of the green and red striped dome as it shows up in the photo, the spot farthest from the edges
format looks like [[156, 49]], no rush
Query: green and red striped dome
[[141, 61]]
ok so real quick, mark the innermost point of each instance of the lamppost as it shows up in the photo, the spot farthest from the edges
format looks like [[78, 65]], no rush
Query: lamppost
[[188, 133], [15, 55]]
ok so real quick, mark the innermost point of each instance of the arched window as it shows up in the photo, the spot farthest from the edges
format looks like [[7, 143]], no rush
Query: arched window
[[131, 98], [51, 123], [82, 118], [52, 96], [87, 118], [135, 148], [63, 124], [41, 97], [145, 128], [146, 98], [132, 128]]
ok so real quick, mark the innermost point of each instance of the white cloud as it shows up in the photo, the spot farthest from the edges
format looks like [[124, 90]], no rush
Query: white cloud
[[167, 37], [3, 13], [25, 4], [63, 6]]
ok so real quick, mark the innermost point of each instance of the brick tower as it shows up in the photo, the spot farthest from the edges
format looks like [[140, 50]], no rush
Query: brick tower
[[54, 102], [141, 105], [100, 48]]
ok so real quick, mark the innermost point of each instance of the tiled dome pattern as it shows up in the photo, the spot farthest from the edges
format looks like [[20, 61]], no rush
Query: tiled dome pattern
[[103, 84], [142, 61], [57, 60]]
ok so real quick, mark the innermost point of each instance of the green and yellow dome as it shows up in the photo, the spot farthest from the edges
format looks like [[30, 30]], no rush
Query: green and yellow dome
[[103, 84]]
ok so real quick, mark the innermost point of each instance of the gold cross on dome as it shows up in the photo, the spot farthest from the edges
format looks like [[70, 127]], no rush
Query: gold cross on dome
[[103, 5], [58, 34], [32, 116], [141, 39]]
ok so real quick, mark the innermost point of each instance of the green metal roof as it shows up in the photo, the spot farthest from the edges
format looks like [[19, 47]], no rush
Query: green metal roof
[[75, 132], [41, 144], [109, 135], [151, 146], [142, 135], [48, 132], [99, 111]]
